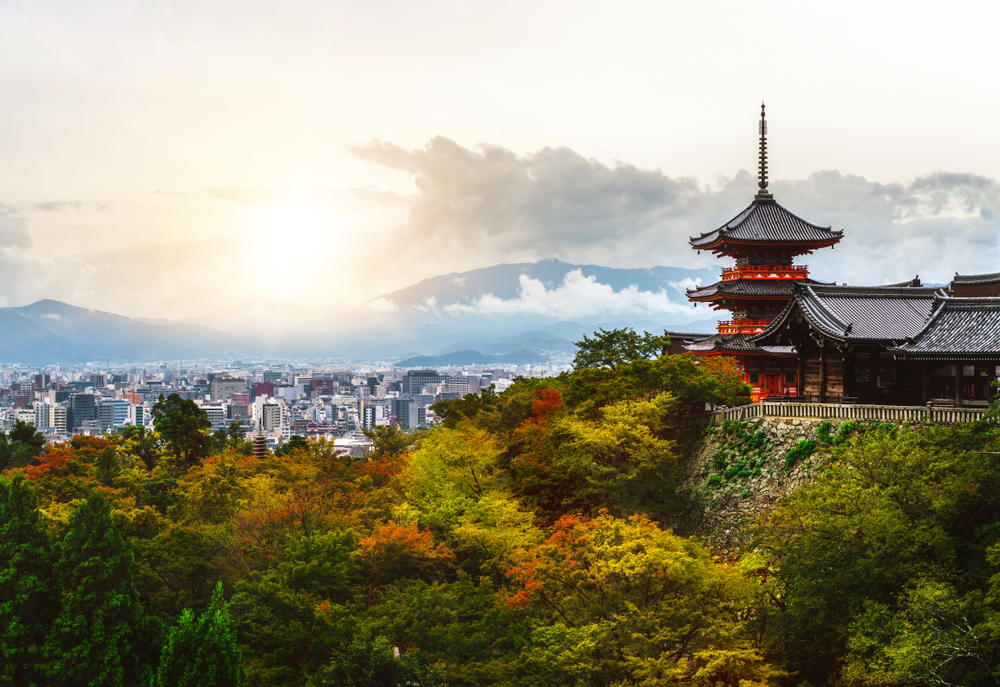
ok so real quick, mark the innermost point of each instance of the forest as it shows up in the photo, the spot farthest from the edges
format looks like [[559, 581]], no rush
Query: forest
[[522, 541]]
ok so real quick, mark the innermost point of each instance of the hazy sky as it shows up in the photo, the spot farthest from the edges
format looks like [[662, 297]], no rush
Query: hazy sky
[[282, 159]]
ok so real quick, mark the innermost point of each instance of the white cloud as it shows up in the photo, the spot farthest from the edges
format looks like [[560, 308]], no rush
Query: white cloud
[[576, 296], [683, 285], [382, 304], [51, 316]]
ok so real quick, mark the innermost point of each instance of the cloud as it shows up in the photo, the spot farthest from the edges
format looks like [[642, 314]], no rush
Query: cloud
[[57, 205], [51, 316], [576, 296], [382, 304], [486, 205], [13, 229], [545, 204]]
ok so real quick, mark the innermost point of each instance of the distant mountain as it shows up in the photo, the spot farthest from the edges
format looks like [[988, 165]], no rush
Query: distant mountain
[[491, 311], [460, 358], [525, 312], [52, 331]]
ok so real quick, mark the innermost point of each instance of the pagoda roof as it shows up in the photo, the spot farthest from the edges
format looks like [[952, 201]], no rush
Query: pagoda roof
[[727, 344], [957, 328], [765, 221], [748, 288], [976, 278], [858, 313]]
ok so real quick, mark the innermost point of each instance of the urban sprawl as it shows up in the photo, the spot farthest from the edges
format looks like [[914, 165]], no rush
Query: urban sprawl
[[278, 401]]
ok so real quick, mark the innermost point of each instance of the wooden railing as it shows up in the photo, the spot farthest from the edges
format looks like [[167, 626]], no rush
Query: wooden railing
[[765, 272], [743, 325], [837, 411]]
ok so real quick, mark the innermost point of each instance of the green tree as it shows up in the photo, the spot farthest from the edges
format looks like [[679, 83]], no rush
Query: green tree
[[142, 444], [184, 426], [22, 445], [617, 347], [202, 652], [24, 433], [296, 443], [368, 662], [624, 602], [898, 509], [388, 440], [29, 600], [101, 637], [236, 435], [220, 441]]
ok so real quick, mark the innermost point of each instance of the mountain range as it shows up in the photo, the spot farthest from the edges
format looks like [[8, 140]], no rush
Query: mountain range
[[524, 312]]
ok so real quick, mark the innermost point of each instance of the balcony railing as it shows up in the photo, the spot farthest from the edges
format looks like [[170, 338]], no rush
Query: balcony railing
[[834, 411], [765, 272], [743, 326]]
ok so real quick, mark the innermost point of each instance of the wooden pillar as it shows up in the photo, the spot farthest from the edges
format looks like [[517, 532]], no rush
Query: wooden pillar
[[800, 381], [925, 373], [822, 372], [958, 384]]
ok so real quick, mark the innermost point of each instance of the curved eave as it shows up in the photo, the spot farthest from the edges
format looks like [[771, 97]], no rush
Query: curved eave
[[815, 322], [738, 296], [722, 244]]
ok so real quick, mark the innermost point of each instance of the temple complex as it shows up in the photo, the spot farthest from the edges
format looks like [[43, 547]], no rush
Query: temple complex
[[799, 339]]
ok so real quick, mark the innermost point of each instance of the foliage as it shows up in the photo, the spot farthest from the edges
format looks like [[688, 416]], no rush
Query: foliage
[[367, 662], [899, 511], [101, 636], [296, 443], [388, 440], [617, 347], [202, 651], [28, 594], [521, 542], [801, 451], [743, 452], [20, 446], [184, 427], [628, 602]]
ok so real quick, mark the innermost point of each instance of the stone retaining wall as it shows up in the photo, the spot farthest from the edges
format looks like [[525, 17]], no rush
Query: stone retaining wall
[[717, 514]]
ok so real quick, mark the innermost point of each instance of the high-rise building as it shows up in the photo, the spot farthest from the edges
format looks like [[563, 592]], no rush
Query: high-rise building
[[416, 380], [82, 408], [225, 386], [405, 412]]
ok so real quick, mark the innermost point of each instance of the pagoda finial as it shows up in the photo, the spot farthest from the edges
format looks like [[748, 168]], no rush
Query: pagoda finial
[[762, 175]]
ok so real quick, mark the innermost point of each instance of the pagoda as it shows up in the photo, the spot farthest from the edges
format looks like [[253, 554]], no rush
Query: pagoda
[[764, 239]]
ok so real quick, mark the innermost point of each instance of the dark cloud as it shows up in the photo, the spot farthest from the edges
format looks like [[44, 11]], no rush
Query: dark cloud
[[492, 199], [498, 205]]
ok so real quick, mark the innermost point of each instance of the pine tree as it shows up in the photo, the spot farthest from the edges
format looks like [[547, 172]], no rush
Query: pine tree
[[202, 652], [101, 636], [28, 601]]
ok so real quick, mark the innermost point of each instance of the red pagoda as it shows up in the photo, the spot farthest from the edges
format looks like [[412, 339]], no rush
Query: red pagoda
[[763, 239]]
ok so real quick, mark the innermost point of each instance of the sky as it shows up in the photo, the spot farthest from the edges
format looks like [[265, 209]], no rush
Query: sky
[[244, 161]]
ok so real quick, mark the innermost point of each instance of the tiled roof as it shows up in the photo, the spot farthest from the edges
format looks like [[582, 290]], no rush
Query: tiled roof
[[958, 327], [748, 287], [860, 313], [734, 343], [976, 278], [766, 221]]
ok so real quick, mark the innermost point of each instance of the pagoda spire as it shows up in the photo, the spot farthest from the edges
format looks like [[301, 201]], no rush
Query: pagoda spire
[[762, 173]]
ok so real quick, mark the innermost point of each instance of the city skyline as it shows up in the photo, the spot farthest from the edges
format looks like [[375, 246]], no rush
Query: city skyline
[[294, 161]]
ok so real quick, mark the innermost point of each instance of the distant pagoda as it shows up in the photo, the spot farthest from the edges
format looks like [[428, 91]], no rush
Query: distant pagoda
[[763, 239]]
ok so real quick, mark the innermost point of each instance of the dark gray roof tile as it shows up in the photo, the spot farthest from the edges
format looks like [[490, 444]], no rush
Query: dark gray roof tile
[[767, 221], [958, 327]]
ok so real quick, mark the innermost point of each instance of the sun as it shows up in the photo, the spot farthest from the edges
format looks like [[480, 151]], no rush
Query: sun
[[294, 233]]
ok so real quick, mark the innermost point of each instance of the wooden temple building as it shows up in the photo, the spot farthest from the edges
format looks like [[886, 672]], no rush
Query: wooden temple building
[[796, 338]]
